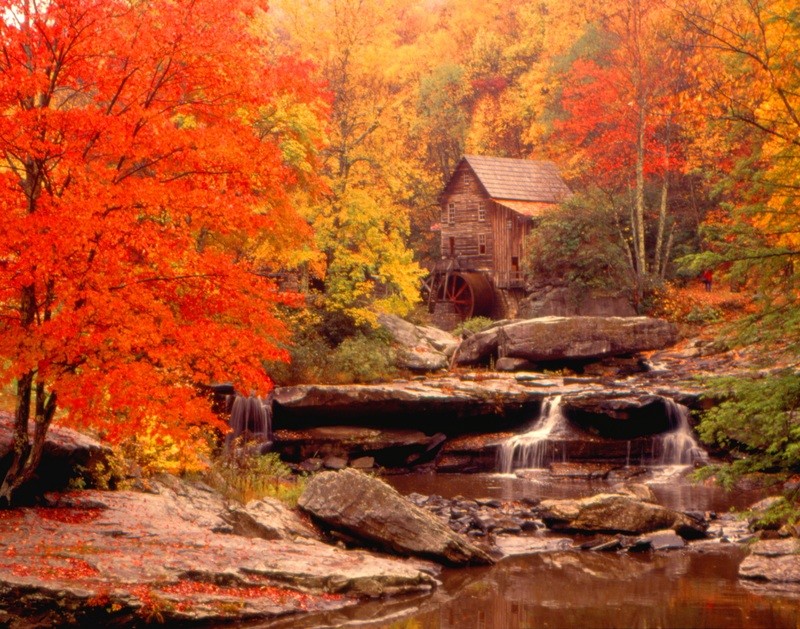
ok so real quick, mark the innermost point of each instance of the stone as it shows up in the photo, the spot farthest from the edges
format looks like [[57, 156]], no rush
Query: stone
[[615, 513], [419, 348], [366, 508], [68, 456], [268, 518], [759, 509], [560, 339], [334, 463], [131, 549], [513, 364], [363, 463], [660, 540], [773, 561]]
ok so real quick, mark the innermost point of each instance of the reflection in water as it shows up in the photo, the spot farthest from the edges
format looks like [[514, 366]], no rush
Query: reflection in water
[[670, 488], [696, 588], [582, 589]]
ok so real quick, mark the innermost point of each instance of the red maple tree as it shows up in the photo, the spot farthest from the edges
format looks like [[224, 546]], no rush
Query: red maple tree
[[130, 170]]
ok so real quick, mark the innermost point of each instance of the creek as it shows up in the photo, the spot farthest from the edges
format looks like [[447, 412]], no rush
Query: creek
[[695, 587]]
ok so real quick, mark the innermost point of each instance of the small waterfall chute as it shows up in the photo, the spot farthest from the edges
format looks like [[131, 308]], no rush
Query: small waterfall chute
[[529, 450], [678, 446], [251, 419]]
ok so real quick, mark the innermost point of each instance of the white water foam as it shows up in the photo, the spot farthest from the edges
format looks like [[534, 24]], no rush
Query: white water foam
[[528, 450], [678, 446]]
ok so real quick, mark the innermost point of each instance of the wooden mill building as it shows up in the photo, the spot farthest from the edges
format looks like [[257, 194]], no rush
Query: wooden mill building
[[489, 206]]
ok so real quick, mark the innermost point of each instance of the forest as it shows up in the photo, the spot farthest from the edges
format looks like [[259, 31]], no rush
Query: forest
[[200, 192]]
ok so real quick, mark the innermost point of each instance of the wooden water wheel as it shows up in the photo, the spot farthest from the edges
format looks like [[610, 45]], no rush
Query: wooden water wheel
[[469, 293]]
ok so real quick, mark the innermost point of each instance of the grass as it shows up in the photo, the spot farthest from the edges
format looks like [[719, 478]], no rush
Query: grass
[[244, 477]]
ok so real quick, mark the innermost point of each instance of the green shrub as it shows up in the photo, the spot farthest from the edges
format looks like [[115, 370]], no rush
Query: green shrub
[[472, 326], [362, 358], [243, 477]]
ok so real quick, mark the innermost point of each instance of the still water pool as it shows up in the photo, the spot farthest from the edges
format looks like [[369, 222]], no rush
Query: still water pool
[[693, 588]]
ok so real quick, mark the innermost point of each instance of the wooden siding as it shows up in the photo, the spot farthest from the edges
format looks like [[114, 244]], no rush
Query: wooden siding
[[504, 229], [466, 228]]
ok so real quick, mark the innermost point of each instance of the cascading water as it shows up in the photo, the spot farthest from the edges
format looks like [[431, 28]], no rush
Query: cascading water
[[251, 419], [678, 446], [529, 450]]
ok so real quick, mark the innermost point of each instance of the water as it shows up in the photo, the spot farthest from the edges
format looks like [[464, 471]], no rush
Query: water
[[251, 419], [697, 588], [678, 446], [537, 447], [530, 449]]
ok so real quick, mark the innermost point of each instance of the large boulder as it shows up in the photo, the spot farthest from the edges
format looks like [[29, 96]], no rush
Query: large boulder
[[617, 513], [368, 509], [68, 457], [776, 562], [564, 339], [419, 348]]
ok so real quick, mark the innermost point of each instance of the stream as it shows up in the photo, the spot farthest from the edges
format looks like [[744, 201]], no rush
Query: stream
[[697, 587], [694, 587]]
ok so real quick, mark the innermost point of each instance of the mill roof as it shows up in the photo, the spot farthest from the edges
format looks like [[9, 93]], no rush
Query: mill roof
[[519, 179]]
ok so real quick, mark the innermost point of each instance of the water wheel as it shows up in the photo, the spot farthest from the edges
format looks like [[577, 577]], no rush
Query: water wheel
[[469, 293]]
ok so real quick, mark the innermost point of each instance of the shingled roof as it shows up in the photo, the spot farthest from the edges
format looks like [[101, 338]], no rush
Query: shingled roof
[[519, 179]]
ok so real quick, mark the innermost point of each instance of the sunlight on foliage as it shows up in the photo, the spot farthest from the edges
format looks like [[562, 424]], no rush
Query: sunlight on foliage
[[154, 450], [243, 476]]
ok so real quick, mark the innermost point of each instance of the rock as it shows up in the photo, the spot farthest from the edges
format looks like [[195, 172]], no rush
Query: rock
[[118, 558], [419, 348], [369, 509], [363, 463], [386, 447], [773, 561], [560, 339], [68, 456], [268, 518], [660, 540], [615, 513], [759, 509], [514, 364], [432, 405], [334, 463]]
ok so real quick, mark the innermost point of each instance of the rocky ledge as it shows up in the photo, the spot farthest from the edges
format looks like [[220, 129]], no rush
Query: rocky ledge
[[455, 423], [179, 555]]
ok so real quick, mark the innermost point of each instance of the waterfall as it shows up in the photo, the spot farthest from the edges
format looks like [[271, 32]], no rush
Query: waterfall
[[529, 449], [678, 446], [251, 419]]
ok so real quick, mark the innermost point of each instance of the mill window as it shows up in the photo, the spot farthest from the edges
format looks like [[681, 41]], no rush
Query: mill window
[[481, 211], [482, 244], [451, 214]]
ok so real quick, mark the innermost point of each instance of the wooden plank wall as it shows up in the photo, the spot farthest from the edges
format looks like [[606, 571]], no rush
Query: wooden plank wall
[[466, 195]]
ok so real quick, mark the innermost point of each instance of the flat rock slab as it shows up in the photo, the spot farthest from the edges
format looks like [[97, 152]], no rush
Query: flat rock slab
[[103, 557], [368, 509], [558, 339], [774, 562]]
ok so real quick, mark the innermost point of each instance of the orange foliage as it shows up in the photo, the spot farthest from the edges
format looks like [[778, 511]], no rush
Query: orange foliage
[[131, 170], [694, 304]]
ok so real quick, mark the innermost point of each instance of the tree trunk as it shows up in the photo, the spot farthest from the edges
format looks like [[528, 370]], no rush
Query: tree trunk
[[659, 255], [27, 453], [641, 254]]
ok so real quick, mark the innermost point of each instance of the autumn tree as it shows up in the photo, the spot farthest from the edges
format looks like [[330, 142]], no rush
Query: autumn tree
[[131, 164], [749, 83], [619, 122], [361, 225]]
